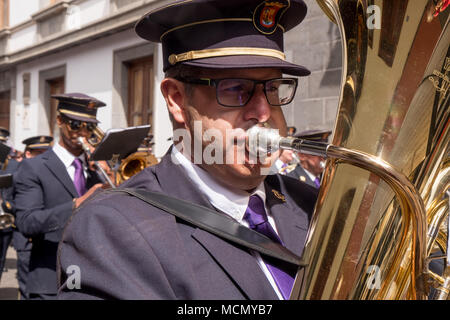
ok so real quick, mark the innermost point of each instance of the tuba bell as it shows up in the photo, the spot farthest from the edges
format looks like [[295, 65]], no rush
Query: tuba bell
[[372, 236]]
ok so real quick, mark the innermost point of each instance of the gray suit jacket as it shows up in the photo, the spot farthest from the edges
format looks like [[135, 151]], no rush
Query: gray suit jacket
[[43, 201], [127, 249]]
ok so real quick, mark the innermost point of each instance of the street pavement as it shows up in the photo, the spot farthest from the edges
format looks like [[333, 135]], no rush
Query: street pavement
[[8, 284]]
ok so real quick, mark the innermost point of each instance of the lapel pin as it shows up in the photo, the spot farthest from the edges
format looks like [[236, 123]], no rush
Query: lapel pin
[[279, 195]]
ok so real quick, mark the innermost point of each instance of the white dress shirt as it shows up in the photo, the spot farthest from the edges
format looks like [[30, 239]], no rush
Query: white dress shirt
[[310, 175], [232, 202], [67, 159]]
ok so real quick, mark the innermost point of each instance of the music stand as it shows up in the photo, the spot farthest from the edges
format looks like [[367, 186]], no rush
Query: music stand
[[117, 144], [6, 180]]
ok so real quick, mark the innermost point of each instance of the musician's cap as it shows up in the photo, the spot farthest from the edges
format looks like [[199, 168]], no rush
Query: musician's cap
[[224, 34], [79, 106], [38, 142], [314, 135], [4, 134]]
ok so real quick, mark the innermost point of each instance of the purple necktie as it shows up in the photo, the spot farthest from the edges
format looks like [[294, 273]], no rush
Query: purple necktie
[[78, 180], [282, 272], [283, 168], [317, 182]]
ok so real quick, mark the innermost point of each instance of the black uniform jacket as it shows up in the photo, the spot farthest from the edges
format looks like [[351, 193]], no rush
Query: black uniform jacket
[[43, 200], [300, 174], [127, 249]]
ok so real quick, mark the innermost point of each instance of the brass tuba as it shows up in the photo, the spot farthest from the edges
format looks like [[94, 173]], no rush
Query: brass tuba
[[394, 109]]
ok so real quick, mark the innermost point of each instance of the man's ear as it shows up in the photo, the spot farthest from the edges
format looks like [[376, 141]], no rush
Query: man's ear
[[59, 121], [176, 99]]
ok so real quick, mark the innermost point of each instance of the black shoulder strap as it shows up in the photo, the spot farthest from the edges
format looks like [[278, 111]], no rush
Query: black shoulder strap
[[215, 223]]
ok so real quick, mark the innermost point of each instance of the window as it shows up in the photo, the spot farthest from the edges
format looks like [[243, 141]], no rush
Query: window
[[5, 100], [140, 89], [56, 86]]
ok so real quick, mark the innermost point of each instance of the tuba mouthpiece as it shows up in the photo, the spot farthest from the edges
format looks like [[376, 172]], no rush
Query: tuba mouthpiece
[[261, 141]]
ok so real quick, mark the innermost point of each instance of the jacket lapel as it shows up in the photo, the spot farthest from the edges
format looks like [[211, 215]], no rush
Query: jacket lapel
[[92, 178], [58, 169], [303, 176], [291, 221]]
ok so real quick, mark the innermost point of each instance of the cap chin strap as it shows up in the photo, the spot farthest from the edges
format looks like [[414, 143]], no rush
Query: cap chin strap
[[221, 52]]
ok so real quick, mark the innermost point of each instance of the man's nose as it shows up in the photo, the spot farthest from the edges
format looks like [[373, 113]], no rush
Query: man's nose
[[258, 108]]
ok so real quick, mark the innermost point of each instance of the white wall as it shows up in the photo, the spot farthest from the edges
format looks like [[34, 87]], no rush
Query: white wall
[[161, 123], [92, 10], [21, 10], [22, 38]]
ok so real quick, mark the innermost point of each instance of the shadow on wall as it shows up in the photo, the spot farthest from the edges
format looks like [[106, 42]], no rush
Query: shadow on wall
[[334, 58]]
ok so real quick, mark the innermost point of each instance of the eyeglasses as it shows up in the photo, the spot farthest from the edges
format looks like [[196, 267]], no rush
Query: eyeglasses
[[238, 92], [76, 125]]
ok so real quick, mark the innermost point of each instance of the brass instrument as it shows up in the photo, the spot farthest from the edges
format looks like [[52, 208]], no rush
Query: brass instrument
[[6, 219], [376, 224], [96, 137], [133, 164], [129, 166]]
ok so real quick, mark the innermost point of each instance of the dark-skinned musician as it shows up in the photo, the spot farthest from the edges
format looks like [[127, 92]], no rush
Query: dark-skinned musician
[[49, 186]]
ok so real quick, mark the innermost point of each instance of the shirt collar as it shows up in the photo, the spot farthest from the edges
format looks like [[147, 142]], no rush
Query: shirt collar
[[233, 202], [65, 156], [311, 175]]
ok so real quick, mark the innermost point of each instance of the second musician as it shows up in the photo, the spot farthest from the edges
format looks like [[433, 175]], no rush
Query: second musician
[[50, 185]]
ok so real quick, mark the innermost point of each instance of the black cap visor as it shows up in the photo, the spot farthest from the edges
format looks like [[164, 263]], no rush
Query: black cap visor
[[250, 61]]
